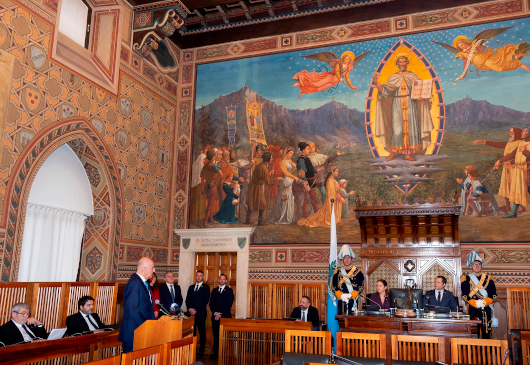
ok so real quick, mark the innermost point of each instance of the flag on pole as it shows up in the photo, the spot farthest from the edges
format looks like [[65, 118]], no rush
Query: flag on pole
[[231, 121], [331, 307]]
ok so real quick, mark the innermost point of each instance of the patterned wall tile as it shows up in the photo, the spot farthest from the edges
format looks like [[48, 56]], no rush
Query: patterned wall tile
[[260, 256]]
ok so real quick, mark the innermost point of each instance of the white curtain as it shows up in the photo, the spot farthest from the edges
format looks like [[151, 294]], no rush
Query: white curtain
[[51, 244]]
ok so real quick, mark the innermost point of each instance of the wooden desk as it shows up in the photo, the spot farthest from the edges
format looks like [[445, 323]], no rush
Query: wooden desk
[[79, 349], [392, 325]]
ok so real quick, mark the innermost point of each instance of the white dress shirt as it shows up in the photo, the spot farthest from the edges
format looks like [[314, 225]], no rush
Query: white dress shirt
[[90, 326], [302, 314], [24, 333], [441, 292], [197, 286], [221, 288], [144, 280]]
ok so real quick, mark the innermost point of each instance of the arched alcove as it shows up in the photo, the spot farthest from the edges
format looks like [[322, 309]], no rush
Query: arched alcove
[[59, 202]]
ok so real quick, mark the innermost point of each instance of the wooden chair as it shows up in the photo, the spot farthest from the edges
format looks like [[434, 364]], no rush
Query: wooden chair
[[115, 360], [418, 348], [308, 342], [183, 352], [361, 344], [525, 360], [156, 355], [475, 351], [518, 308]]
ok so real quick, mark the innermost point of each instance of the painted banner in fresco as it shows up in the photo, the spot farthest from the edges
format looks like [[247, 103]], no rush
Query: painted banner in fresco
[[231, 124], [436, 114]]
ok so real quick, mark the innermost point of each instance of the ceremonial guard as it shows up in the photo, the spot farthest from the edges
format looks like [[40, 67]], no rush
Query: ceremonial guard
[[479, 292], [348, 281]]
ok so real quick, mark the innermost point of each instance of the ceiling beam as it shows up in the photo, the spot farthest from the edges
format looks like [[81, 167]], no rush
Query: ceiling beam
[[224, 13], [246, 7], [195, 4], [294, 6], [269, 7]]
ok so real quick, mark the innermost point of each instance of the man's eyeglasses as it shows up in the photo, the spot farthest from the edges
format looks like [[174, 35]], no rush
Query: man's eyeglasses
[[25, 314]]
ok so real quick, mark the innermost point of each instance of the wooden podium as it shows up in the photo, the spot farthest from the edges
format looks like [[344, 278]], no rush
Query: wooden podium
[[166, 329]]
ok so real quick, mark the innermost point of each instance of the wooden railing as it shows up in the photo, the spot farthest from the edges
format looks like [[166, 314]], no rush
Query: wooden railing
[[51, 303], [73, 350], [254, 342], [277, 300]]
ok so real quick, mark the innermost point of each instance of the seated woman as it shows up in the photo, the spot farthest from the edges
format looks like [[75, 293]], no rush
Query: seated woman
[[381, 296]]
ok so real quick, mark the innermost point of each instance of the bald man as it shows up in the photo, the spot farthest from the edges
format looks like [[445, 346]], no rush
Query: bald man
[[137, 302]]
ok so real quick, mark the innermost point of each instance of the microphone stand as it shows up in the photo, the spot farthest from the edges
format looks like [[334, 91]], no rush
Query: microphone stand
[[348, 361], [365, 297]]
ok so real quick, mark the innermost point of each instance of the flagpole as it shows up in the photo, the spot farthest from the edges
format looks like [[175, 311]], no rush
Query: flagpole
[[331, 306]]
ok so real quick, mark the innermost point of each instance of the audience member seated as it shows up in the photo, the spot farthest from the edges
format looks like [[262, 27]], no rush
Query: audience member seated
[[85, 320], [439, 297], [305, 312], [381, 297], [22, 328]]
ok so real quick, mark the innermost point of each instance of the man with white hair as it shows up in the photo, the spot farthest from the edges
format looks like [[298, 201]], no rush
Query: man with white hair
[[479, 292], [21, 328], [137, 302], [348, 281]]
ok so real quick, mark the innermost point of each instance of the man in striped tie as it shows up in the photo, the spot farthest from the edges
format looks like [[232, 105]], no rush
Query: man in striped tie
[[22, 327]]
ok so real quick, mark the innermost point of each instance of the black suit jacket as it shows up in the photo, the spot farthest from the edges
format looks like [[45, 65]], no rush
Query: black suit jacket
[[77, 324], [165, 296], [312, 315], [137, 308], [222, 302], [448, 300], [199, 300], [10, 335]]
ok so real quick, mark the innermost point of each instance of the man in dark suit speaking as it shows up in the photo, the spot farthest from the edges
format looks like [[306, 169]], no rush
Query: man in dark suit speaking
[[137, 302], [305, 312], [21, 328], [196, 302], [439, 297], [220, 305], [170, 292], [85, 320]]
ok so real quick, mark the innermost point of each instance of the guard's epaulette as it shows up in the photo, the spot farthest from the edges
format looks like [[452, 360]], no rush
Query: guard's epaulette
[[463, 278], [335, 270], [491, 277]]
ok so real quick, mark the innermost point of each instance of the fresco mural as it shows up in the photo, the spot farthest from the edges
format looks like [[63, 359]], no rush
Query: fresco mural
[[443, 114]]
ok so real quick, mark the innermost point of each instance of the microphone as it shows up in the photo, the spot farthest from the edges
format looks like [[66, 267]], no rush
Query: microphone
[[365, 297], [162, 309], [3, 344], [506, 353], [175, 307], [438, 362]]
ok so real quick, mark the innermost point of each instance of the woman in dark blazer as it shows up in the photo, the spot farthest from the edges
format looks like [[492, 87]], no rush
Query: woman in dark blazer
[[153, 286], [381, 296]]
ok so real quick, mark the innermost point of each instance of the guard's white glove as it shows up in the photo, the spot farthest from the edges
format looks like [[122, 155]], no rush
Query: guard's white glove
[[345, 297], [480, 303]]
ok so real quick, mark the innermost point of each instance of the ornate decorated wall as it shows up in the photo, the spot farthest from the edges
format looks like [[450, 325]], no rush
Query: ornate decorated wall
[[125, 138], [219, 81]]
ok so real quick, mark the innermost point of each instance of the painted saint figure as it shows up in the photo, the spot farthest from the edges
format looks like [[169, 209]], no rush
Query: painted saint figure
[[312, 82], [402, 124]]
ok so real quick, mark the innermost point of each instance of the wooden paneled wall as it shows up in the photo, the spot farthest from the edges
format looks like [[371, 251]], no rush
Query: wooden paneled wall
[[277, 300]]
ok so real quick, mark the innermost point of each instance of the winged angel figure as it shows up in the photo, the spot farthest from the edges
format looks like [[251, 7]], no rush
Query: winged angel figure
[[474, 52], [312, 82]]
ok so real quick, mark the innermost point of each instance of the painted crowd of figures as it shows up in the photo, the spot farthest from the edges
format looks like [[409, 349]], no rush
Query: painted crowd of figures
[[227, 185]]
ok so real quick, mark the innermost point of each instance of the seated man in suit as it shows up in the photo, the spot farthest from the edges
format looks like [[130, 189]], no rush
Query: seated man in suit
[[305, 312], [22, 328], [170, 292], [85, 320], [439, 296]]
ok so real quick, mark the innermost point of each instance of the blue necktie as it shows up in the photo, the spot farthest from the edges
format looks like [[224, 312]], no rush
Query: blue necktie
[[146, 285], [196, 288], [172, 294]]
